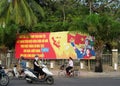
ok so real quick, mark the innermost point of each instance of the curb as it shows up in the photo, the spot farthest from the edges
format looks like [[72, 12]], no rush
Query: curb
[[88, 74]]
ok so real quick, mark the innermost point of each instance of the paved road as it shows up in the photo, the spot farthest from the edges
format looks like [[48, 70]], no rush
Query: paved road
[[60, 81]]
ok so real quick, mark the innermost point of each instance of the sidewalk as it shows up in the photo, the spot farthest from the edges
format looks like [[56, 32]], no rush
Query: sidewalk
[[102, 74], [90, 74]]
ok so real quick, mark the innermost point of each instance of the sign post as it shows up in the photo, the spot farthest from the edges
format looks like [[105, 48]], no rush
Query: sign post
[[44, 50]]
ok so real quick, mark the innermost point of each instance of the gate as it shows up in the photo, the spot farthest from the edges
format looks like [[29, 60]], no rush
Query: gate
[[107, 62]]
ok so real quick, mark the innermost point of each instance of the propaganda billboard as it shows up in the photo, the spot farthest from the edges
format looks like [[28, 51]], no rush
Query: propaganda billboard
[[55, 45]]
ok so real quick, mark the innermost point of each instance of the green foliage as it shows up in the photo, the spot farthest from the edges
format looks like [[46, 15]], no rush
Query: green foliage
[[50, 27], [104, 28], [41, 27], [78, 24], [20, 12], [61, 15], [8, 36]]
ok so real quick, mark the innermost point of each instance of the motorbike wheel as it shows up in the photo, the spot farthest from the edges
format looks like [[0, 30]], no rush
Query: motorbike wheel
[[10, 74], [50, 80], [4, 80]]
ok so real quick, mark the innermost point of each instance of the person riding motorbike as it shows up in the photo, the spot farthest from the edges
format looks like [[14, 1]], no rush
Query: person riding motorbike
[[37, 68], [70, 66], [40, 73], [4, 79], [22, 65]]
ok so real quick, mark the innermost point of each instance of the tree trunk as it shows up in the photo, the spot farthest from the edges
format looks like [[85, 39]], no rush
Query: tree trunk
[[64, 18], [98, 66]]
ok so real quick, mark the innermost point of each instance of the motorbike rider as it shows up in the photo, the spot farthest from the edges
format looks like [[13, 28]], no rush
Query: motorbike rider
[[0, 67], [70, 66], [22, 65], [37, 67]]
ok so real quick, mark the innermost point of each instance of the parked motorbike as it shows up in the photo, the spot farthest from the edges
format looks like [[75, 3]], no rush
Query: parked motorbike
[[4, 79], [14, 73], [31, 76]]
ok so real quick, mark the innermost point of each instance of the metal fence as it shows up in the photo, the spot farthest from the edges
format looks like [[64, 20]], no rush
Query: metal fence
[[107, 59], [106, 62], [118, 59]]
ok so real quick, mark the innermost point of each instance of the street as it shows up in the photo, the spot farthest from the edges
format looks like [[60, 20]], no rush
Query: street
[[60, 81]]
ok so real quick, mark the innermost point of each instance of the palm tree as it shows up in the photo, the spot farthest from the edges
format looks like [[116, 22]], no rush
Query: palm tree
[[105, 30], [17, 15], [21, 12]]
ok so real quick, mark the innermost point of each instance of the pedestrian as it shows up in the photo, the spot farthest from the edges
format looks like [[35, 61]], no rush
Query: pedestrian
[[37, 67], [70, 66]]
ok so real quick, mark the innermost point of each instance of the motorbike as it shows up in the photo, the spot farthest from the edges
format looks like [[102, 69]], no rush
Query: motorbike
[[4, 79], [31, 76], [14, 73]]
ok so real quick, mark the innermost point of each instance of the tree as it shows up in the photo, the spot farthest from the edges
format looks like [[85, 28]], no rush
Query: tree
[[102, 22], [8, 36], [105, 30], [21, 12], [17, 16], [59, 14]]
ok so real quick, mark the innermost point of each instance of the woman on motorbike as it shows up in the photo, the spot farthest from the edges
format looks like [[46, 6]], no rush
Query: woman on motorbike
[[70, 66], [37, 68]]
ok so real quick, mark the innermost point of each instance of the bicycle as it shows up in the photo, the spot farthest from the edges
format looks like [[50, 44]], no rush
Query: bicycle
[[72, 73], [62, 71]]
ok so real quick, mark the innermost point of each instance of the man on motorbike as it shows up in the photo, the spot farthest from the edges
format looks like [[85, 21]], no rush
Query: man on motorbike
[[23, 63], [37, 67]]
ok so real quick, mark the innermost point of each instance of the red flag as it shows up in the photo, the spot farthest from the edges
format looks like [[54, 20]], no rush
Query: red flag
[[70, 38], [79, 39]]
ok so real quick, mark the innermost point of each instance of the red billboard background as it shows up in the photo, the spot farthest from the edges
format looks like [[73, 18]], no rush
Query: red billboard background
[[54, 45]]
